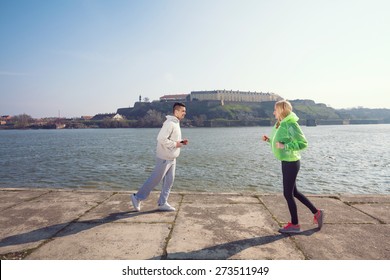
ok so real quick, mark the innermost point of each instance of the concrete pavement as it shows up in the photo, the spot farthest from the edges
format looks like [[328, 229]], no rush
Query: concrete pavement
[[82, 224]]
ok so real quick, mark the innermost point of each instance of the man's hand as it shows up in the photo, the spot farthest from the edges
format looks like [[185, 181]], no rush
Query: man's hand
[[181, 143]]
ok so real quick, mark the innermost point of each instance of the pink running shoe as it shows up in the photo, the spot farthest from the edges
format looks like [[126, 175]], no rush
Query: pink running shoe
[[290, 228], [319, 218]]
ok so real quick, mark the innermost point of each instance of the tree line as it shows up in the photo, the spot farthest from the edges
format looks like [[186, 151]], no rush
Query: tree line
[[206, 114]]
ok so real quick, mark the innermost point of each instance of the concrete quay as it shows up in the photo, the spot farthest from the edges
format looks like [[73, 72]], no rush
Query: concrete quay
[[67, 224]]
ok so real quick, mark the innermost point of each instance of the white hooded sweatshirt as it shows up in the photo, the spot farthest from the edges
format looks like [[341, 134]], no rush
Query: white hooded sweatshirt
[[169, 134]]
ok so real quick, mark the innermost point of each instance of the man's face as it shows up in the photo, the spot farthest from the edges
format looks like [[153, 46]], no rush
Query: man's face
[[180, 112]]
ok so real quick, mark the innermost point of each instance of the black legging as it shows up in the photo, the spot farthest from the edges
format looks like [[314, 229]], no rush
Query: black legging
[[290, 171]]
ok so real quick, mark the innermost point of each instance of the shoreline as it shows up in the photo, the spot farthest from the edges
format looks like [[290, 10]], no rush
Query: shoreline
[[226, 124], [184, 192], [181, 191]]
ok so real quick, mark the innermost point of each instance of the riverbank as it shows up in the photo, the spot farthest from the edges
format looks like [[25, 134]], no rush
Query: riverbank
[[40, 224]]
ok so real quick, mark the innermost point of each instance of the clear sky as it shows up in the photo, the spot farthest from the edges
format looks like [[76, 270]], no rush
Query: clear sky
[[84, 57]]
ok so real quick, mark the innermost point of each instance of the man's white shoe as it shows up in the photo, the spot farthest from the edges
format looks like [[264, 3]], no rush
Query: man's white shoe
[[136, 202], [166, 207]]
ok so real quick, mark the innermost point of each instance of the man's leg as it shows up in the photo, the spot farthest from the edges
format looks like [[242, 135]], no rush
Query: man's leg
[[167, 182], [155, 178]]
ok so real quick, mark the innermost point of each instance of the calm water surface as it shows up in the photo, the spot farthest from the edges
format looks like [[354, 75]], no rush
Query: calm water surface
[[340, 159]]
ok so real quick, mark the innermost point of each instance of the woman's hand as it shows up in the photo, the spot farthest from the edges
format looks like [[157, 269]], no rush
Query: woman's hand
[[279, 145]]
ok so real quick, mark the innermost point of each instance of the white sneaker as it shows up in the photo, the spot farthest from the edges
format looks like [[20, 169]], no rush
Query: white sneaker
[[166, 207], [136, 202]]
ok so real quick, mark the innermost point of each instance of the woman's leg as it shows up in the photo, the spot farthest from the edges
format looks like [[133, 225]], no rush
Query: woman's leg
[[290, 172], [305, 201]]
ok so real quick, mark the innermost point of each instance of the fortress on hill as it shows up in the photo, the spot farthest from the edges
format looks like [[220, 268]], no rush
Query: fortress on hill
[[204, 105], [218, 108], [223, 96]]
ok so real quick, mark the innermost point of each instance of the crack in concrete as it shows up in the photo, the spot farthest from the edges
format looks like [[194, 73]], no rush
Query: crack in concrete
[[164, 255]]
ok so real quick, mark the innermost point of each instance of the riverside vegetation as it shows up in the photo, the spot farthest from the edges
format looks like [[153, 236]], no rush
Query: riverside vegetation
[[207, 114]]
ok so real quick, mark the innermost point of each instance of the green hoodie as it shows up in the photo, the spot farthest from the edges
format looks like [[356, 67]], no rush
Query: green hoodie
[[290, 134]]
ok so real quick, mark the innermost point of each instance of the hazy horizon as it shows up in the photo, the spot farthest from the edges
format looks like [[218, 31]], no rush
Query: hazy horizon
[[114, 112]]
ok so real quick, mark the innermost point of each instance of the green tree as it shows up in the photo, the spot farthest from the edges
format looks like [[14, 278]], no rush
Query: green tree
[[22, 120], [199, 120], [152, 118]]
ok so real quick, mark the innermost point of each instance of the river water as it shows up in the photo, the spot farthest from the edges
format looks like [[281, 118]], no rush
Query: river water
[[351, 159]]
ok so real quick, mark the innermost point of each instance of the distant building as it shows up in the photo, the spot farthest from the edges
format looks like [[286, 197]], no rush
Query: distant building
[[118, 117], [86, 118], [175, 97], [112, 116], [4, 119], [234, 96], [222, 95]]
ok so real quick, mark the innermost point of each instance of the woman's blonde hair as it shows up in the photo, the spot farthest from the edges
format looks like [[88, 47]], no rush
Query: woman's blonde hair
[[285, 108]]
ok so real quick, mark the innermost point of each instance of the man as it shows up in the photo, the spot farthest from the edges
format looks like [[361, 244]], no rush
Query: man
[[169, 143]]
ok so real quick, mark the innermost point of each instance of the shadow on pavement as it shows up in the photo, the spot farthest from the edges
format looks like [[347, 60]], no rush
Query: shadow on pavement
[[227, 250], [59, 230]]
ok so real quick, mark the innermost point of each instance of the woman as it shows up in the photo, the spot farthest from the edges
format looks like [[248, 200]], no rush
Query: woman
[[287, 140]]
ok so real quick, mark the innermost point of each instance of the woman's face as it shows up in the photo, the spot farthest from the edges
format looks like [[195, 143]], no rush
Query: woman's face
[[277, 113]]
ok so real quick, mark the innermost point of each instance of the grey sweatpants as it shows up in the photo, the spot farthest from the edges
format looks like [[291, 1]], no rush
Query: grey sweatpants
[[165, 171]]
